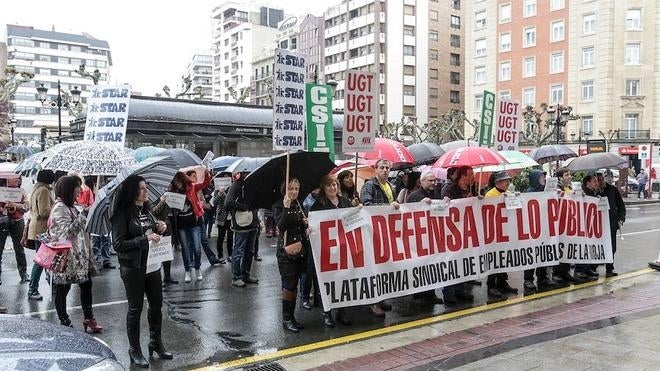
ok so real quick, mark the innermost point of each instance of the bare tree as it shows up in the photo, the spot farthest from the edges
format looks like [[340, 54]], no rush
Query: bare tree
[[9, 83], [537, 131], [240, 96]]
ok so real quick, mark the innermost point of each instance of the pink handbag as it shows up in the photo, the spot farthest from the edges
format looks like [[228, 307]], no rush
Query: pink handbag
[[53, 256]]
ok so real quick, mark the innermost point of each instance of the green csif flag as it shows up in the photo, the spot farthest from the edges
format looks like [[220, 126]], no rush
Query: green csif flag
[[487, 115], [320, 131]]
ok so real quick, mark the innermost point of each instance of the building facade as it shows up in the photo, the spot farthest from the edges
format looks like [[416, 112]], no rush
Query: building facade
[[240, 32], [262, 80], [311, 43], [52, 57], [200, 73]]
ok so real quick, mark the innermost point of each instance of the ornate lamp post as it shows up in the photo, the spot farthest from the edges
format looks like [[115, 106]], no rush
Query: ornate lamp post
[[558, 116], [59, 103], [12, 126]]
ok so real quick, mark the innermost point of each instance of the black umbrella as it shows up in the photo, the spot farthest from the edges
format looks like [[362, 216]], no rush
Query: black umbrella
[[182, 157], [262, 186], [425, 153]]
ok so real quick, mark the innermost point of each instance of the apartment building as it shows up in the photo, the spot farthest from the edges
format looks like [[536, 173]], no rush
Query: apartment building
[[52, 57], [241, 30], [200, 72], [311, 43], [389, 39], [261, 86]]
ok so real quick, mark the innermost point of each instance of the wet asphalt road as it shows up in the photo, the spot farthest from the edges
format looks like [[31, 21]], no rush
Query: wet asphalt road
[[211, 321]]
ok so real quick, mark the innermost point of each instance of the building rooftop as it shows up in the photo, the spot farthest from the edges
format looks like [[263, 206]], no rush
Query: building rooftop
[[32, 33]]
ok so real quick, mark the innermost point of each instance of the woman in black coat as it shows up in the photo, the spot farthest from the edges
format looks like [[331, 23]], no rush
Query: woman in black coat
[[329, 198], [292, 225], [133, 228]]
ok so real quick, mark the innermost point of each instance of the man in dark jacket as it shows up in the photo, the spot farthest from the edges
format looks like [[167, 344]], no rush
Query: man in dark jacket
[[244, 223], [617, 214]]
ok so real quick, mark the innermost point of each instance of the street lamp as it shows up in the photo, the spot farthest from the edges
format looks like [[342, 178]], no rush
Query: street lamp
[[59, 104], [558, 116], [12, 126]]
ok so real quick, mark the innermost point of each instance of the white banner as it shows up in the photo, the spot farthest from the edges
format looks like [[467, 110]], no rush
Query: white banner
[[159, 252], [175, 200], [8, 194], [401, 252], [107, 114], [222, 182], [360, 112], [289, 101], [507, 129]]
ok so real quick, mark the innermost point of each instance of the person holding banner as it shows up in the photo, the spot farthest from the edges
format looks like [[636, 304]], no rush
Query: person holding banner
[[292, 249], [133, 229], [379, 191], [329, 198], [14, 211]]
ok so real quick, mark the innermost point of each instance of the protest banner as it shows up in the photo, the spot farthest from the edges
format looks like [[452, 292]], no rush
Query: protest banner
[[175, 200], [508, 116], [289, 101], [360, 112], [159, 252], [320, 131], [8, 194], [221, 182], [401, 252], [107, 114], [487, 114]]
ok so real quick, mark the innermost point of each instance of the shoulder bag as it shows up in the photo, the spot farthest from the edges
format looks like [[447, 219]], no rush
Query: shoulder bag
[[53, 255]]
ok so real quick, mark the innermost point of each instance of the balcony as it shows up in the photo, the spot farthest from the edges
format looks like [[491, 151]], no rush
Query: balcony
[[633, 134]]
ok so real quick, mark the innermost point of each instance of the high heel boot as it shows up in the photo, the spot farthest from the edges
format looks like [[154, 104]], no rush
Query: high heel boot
[[134, 351], [156, 345], [287, 315], [91, 323]]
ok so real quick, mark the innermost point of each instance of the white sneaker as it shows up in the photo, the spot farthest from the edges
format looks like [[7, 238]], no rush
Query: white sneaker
[[186, 278], [199, 274]]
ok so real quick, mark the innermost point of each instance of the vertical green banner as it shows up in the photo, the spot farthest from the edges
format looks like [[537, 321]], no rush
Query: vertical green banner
[[320, 131], [487, 115]]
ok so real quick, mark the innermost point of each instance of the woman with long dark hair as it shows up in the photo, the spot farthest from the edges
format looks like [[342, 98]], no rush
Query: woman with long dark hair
[[67, 223], [347, 187], [133, 228], [292, 225], [329, 198]]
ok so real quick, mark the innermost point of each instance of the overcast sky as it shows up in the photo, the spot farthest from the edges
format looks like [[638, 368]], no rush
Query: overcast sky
[[151, 41]]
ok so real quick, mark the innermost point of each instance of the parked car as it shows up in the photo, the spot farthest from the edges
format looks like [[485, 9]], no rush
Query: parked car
[[31, 344]]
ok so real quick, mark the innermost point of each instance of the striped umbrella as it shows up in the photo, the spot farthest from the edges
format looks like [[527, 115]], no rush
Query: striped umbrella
[[157, 171]]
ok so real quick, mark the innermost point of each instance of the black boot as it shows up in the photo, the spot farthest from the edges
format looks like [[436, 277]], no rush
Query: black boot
[[327, 319], [134, 351], [24, 276], [287, 315], [156, 345], [293, 317]]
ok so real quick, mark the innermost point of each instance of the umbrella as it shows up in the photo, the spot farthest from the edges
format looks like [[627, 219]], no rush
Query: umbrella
[[364, 172], [470, 156], [87, 157], [183, 157], [248, 164], [20, 149], [30, 165], [552, 152], [425, 153], [390, 150], [458, 144], [595, 161], [158, 173], [262, 186], [516, 162], [142, 153], [222, 162]]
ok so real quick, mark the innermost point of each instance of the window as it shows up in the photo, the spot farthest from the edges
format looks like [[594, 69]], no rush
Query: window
[[19, 41], [529, 9], [529, 97], [632, 87], [408, 10], [455, 78], [23, 55], [408, 71], [630, 125], [454, 4], [556, 94], [505, 42], [434, 15], [557, 4], [634, 19], [455, 41], [433, 93], [480, 19], [455, 22], [480, 75], [557, 62], [44, 45], [529, 37], [408, 50], [62, 60], [433, 54], [407, 31], [454, 96], [505, 13], [433, 73], [62, 47], [589, 24], [505, 71], [294, 43], [529, 67], [588, 90], [588, 57], [480, 48], [454, 59], [478, 102], [409, 90], [632, 53], [505, 95], [587, 125], [433, 35], [557, 31], [433, 113]]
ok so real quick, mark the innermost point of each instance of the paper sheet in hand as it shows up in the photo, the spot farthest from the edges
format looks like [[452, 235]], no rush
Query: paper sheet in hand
[[551, 184], [223, 182], [513, 202], [603, 204], [439, 208], [159, 252], [10, 194], [353, 219], [207, 159], [175, 200]]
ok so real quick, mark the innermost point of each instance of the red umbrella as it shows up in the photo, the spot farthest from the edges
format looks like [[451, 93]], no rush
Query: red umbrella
[[470, 156], [390, 150]]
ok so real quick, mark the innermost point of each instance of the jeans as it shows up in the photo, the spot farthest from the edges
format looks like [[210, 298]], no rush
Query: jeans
[[60, 292], [210, 255], [641, 189], [241, 257], [209, 220], [308, 280], [191, 246], [16, 233], [101, 248], [222, 230], [35, 276]]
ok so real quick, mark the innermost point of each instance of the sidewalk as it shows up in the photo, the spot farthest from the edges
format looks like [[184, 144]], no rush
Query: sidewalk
[[633, 200], [549, 331]]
